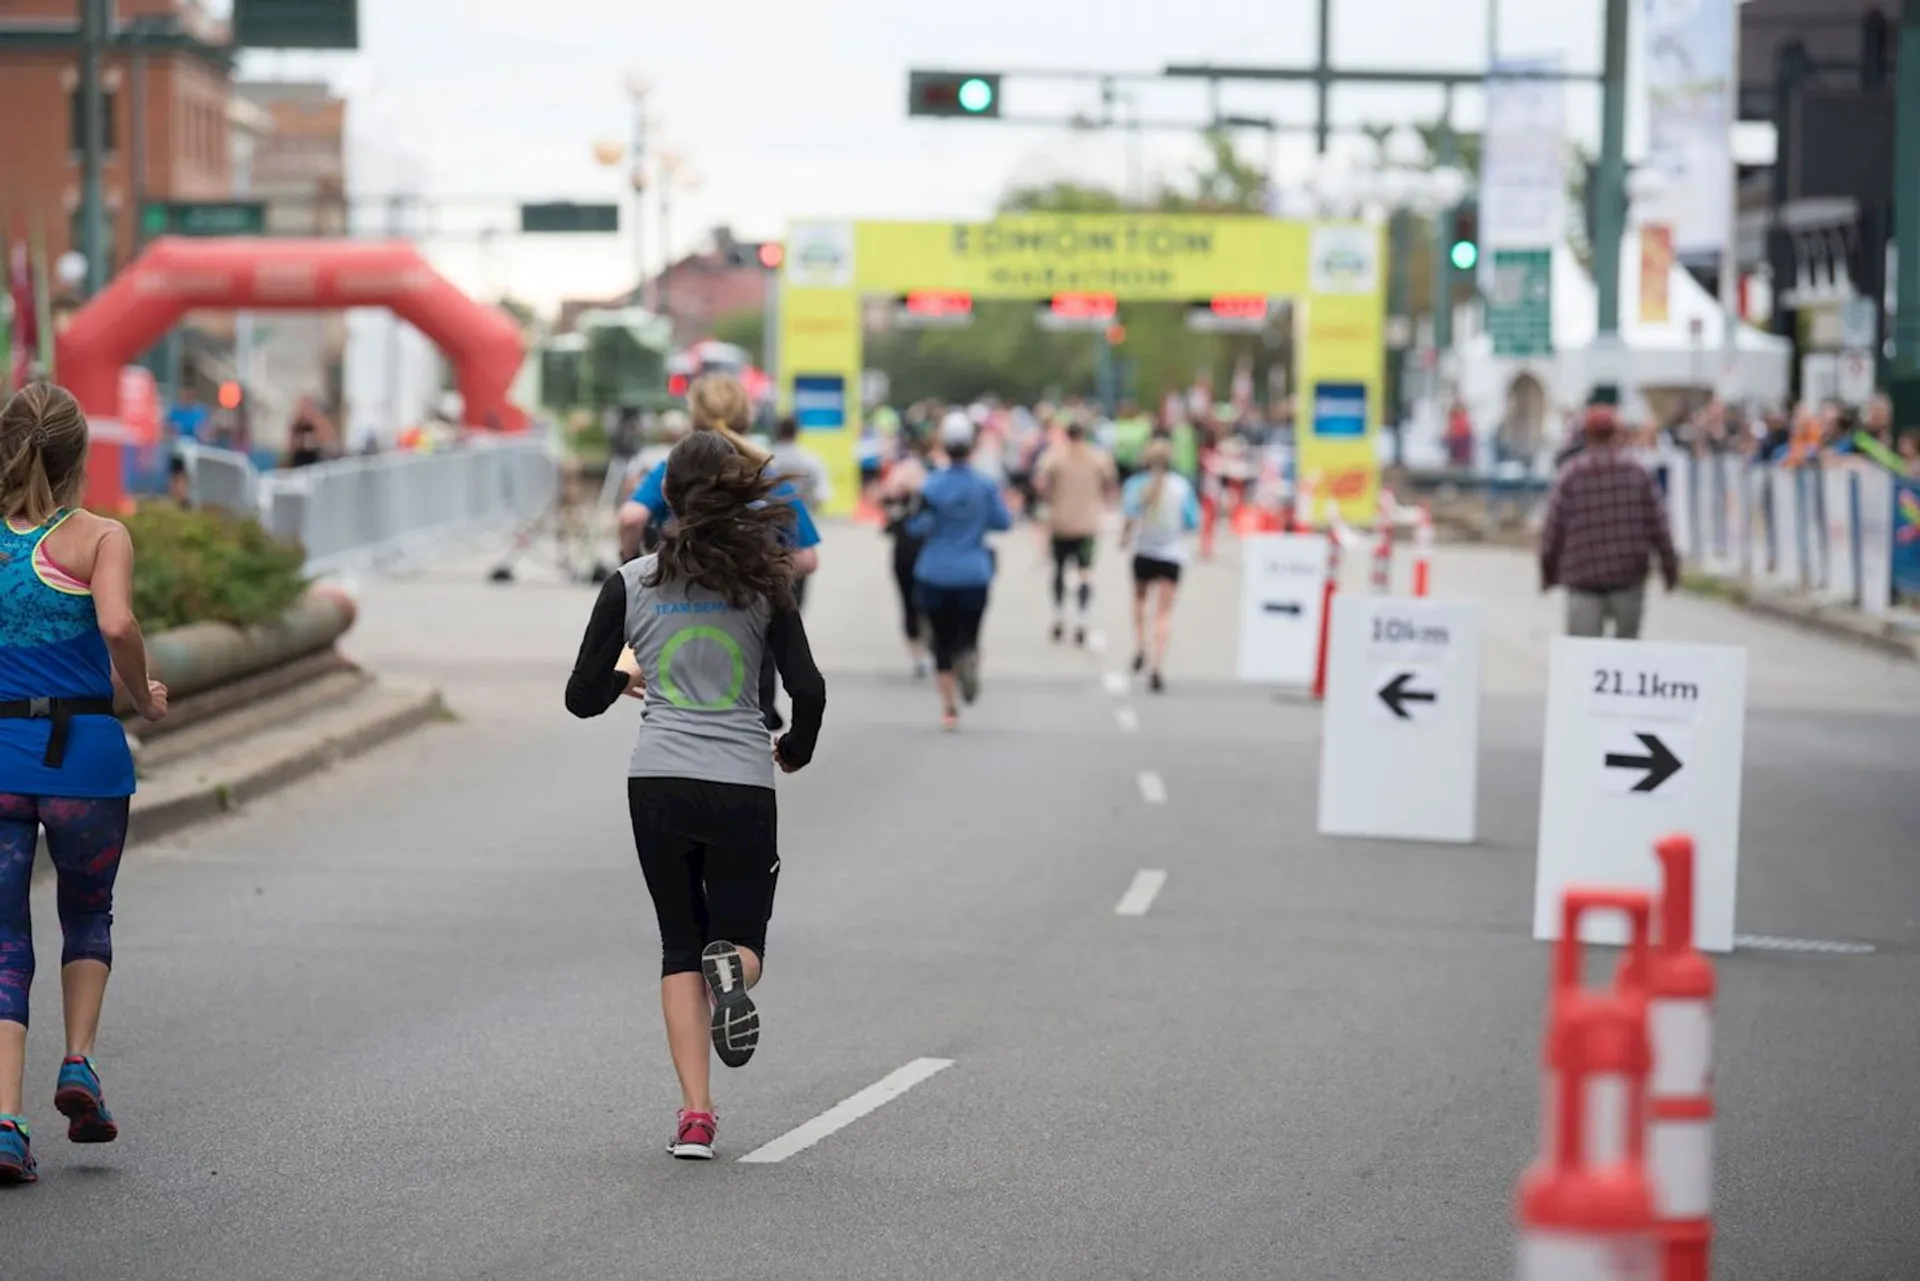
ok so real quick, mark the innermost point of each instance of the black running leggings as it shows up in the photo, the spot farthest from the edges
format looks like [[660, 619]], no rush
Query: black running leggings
[[955, 614], [710, 852], [906, 554]]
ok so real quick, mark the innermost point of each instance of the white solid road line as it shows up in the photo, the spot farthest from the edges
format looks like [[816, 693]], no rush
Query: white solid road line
[[841, 1115], [1153, 790], [1775, 943], [1115, 682], [1140, 894], [1127, 719], [1096, 640]]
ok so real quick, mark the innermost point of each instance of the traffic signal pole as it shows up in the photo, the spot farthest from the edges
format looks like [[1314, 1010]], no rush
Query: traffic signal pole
[[1610, 198], [95, 31], [1443, 221]]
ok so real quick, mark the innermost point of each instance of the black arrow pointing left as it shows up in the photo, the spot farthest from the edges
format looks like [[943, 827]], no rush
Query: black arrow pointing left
[[1396, 695], [1660, 763]]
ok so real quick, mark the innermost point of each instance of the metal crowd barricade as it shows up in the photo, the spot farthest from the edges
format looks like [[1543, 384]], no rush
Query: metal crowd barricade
[[391, 505], [221, 478], [1822, 528]]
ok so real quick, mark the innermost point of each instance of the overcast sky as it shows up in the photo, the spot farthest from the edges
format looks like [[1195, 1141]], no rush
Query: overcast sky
[[796, 108]]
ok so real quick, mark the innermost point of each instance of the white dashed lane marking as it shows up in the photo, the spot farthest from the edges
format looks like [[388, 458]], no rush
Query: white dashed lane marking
[[1115, 683], [1153, 789], [1127, 719], [841, 1115], [1140, 895]]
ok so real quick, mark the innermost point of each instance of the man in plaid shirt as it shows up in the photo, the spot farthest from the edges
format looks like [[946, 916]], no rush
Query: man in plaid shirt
[[1605, 520]]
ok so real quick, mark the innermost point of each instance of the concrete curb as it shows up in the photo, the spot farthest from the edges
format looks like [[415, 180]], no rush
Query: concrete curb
[[1836, 624], [167, 811], [167, 814]]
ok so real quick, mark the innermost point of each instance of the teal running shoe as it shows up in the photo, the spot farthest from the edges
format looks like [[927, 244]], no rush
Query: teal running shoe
[[79, 1099], [16, 1153]]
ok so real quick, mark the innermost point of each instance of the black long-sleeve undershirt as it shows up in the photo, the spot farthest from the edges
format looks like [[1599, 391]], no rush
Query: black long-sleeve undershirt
[[596, 683]]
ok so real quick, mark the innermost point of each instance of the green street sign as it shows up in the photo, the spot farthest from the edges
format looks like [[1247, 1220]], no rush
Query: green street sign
[[1520, 303], [204, 218], [296, 24]]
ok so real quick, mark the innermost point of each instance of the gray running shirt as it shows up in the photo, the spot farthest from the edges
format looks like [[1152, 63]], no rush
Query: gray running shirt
[[701, 660]]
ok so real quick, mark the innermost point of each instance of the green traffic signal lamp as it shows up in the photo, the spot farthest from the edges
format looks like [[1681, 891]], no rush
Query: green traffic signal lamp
[[975, 96], [1465, 255]]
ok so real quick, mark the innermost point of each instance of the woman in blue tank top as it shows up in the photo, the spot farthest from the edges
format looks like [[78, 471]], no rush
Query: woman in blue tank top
[[68, 643]]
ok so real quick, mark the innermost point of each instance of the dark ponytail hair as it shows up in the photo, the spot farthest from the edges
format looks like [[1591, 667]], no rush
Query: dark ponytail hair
[[718, 538]]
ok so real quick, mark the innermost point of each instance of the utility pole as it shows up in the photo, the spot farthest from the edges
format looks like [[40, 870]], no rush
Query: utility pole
[[396, 227], [243, 320], [96, 22], [637, 89], [770, 326], [1610, 196], [1323, 78]]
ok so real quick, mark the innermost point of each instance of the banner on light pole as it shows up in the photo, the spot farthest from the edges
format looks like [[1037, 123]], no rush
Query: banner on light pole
[[1523, 160], [1656, 273], [1688, 55]]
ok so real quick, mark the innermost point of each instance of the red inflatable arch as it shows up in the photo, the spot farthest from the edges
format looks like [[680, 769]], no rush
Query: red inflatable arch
[[177, 275]]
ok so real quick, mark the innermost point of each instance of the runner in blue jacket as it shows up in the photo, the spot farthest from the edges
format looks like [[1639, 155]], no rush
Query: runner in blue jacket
[[958, 509]]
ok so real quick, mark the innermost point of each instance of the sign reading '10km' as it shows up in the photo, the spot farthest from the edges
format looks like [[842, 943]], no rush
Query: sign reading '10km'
[[1400, 631]]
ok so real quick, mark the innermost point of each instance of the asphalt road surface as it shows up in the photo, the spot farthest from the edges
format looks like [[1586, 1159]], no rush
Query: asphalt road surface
[[402, 1023]]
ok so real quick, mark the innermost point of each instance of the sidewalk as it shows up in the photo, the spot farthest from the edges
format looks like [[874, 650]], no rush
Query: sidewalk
[[1466, 525]]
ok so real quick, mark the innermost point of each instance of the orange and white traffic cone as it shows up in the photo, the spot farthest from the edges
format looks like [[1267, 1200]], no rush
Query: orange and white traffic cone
[[1680, 987], [1381, 576], [1327, 591], [1586, 1208], [1304, 514], [1422, 551]]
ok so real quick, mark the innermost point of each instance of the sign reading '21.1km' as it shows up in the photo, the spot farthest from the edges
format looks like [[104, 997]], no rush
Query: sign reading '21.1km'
[[1643, 739]]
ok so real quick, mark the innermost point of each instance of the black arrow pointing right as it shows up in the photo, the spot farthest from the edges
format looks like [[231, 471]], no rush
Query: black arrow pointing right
[[1396, 695], [1291, 608], [1660, 763]]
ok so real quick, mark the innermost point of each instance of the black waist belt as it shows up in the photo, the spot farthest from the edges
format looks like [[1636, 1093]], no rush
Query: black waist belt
[[61, 712]]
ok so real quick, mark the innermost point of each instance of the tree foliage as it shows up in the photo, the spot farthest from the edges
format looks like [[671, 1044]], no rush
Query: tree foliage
[[746, 330]]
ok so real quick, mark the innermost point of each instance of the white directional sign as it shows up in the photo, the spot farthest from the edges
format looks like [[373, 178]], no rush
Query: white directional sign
[[1643, 739], [1282, 580], [1400, 741]]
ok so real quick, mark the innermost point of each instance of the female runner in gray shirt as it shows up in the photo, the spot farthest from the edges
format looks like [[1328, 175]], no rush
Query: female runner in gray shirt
[[698, 614]]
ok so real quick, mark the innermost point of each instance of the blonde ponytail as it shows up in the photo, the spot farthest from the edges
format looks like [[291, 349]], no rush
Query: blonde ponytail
[[719, 403], [43, 453]]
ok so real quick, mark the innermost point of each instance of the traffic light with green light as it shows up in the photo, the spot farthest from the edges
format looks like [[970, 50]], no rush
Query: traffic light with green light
[[953, 93], [1464, 244]]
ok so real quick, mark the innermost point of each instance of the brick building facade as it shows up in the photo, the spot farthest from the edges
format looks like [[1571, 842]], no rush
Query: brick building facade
[[173, 88]]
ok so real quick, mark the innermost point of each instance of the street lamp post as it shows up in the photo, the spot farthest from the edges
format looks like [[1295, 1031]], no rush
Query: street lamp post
[[638, 87]]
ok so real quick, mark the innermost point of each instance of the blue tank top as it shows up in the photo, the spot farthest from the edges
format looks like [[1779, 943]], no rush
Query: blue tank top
[[51, 647]]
